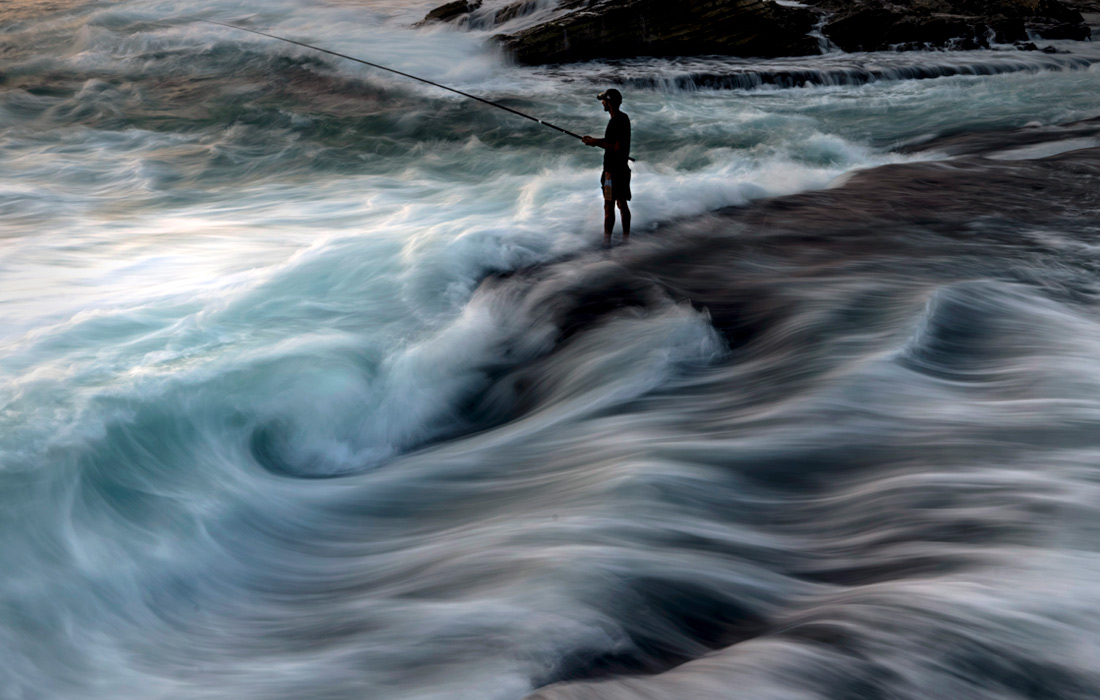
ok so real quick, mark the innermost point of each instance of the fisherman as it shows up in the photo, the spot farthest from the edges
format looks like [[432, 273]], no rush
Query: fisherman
[[615, 180]]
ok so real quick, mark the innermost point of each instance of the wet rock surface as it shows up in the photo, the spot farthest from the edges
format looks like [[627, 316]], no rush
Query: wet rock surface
[[872, 25], [630, 28], [608, 29], [451, 11], [627, 28], [966, 228]]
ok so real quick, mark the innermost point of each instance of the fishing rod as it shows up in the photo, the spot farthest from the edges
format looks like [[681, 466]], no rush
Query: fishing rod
[[406, 75]]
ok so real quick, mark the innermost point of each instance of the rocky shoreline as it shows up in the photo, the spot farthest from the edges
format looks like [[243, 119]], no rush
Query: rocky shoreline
[[581, 30]]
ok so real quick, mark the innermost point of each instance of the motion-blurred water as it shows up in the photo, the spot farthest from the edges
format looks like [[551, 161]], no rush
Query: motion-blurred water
[[313, 384]]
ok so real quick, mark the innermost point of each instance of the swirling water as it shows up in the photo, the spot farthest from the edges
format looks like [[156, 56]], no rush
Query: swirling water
[[312, 384]]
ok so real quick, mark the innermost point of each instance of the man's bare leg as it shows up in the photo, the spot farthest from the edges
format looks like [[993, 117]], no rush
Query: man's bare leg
[[624, 210], [608, 222]]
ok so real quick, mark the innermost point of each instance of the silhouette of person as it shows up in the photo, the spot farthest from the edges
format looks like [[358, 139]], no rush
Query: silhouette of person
[[615, 179]]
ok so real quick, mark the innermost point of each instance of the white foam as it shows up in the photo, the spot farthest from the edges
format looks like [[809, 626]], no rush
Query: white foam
[[1044, 150]]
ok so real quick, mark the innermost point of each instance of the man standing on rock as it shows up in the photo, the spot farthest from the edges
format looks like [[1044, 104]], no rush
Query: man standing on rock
[[615, 179]]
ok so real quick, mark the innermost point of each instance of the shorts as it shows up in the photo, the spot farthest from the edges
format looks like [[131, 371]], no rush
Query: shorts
[[616, 186]]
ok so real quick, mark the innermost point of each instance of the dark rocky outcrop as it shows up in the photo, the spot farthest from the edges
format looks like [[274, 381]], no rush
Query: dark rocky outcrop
[[451, 11], [516, 9], [628, 28], [874, 25], [471, 14], [597, 29]]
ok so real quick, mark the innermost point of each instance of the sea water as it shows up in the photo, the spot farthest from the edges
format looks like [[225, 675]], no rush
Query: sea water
[[291, 405]]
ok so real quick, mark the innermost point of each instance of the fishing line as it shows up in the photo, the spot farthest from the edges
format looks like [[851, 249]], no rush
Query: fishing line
[[406, 75]]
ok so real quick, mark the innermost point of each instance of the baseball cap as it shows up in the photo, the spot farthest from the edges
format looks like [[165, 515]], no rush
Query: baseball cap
[[611, 94]]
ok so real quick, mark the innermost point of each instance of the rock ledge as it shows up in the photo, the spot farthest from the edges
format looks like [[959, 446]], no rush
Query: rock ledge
[[607, 29]]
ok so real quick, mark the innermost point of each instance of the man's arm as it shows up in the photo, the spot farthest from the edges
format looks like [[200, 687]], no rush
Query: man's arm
[[602, 143]]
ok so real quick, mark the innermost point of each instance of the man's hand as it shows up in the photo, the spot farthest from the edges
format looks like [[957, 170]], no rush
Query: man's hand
[[589, 140]]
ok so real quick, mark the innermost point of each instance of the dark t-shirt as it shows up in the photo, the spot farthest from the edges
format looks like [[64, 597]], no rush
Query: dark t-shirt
[[618, 129]]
